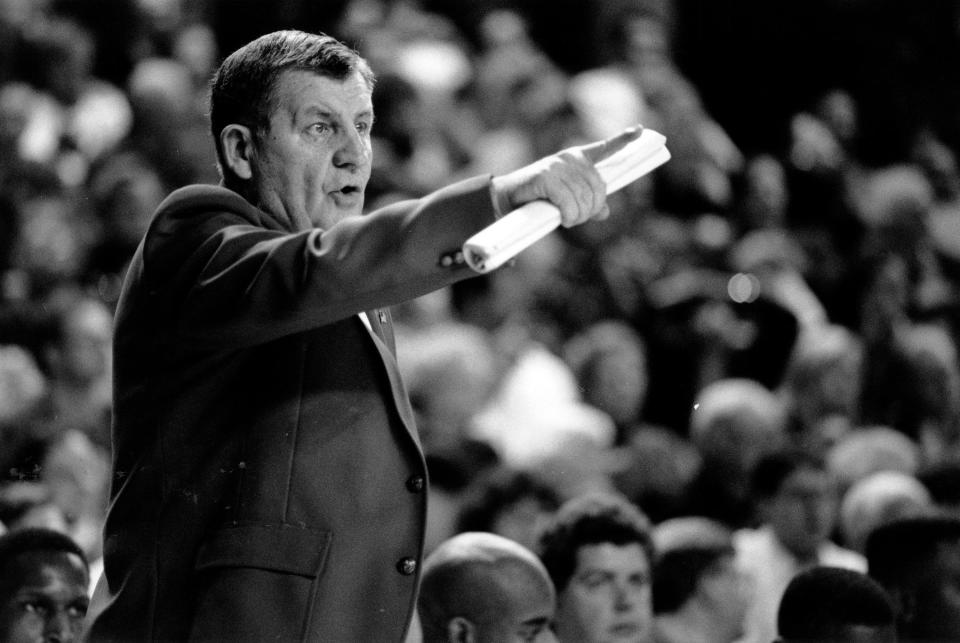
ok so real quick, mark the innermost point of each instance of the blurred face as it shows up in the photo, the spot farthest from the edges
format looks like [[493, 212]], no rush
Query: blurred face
[[87, 342], [608, 598], [48, 603], [619, 385], [802, 513], [836, 390], [313, 162]]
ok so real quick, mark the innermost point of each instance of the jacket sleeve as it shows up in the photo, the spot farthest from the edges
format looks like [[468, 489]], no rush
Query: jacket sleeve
[[228, 280]]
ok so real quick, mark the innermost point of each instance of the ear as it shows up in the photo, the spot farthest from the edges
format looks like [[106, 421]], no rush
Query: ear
[[237, 144], [460, 630]]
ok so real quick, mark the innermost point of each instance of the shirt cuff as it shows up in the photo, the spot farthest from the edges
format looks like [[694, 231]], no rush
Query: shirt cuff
[[501, 204]]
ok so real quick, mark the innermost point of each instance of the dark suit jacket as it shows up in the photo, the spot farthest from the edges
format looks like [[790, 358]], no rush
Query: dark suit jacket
[[268, 479]]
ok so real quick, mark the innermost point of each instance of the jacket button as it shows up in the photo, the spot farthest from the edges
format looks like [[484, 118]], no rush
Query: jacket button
[[406, 566], [415, 484]]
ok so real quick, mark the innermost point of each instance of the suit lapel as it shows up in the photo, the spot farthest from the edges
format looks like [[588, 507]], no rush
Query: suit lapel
[[383, 339], [380, 324]]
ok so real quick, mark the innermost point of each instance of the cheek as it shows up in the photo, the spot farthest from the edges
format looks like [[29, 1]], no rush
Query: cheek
[[590, 606], [25, 629]]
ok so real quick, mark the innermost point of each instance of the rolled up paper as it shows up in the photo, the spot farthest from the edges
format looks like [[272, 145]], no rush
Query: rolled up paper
[[506, 237]]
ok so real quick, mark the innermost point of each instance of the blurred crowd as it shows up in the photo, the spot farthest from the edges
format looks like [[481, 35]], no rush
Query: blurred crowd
[[762, 335]]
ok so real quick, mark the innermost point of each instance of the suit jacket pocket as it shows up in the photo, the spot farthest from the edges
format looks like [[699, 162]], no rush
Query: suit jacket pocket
[[255, 582]]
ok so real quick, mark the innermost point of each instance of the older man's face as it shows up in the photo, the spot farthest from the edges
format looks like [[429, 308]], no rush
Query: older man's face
[[313, 162]]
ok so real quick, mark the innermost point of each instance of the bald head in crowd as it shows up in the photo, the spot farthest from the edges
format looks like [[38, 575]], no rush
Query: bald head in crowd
[[480, 587]]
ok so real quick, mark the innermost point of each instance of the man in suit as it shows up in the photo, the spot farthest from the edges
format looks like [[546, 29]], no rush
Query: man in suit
[[268, 478]]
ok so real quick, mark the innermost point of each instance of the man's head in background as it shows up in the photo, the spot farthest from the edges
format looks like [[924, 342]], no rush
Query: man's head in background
[[796, 497], [599, 553], [479, 587], [917, 561], [697, 587], [44, 581], [835, 604]]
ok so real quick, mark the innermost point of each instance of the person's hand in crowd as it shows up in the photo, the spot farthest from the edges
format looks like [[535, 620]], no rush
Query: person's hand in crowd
[[567, 179]]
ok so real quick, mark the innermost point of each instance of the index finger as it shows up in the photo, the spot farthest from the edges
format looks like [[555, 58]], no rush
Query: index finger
[[602, 149]]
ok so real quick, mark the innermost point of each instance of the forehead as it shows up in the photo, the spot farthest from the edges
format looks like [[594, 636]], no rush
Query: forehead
[[297, 92], [47, 571], [625, 558]]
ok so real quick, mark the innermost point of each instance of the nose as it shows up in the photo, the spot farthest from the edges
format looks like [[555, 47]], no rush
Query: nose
[[351, 151], [60, 628], [623, 597]]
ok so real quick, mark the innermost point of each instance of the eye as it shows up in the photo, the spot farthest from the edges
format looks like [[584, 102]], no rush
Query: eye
[[321, 128], [35, 607], [364, 127], [639, 580], [77, 611], [593, 581]]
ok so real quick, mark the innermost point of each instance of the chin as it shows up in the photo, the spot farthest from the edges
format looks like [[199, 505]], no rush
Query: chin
[[331, 215]]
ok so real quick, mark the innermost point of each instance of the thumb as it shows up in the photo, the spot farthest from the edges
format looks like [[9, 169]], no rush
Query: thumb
[[600, 150]]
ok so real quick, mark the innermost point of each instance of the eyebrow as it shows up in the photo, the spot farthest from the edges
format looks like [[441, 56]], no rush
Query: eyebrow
[[316, 110]]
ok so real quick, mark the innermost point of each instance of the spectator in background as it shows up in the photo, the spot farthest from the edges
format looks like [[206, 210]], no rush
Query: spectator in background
[[822, 385], [56, 232], [484, 588], [796, 501], [657, 471], [78, 118], [734, 423], [78, 356], [44, 582], [538, 422], [75, 472], [837, 605], [23, 387], [879, 498], [705, 157], [917, 560], [28, 503], [451, 371], [126, 190], [609, 361], [512, 503], [927, 403], [699, 594], [869, 449], [170, 123], [599, 553]]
